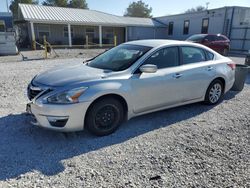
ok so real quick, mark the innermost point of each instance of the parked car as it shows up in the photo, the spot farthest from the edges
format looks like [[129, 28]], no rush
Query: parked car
[[218, 43], [247, 60], [129, 80]]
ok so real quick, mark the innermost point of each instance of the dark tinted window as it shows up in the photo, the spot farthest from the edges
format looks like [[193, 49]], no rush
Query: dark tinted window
[[196, 38], [186, 27], [219, 38], [167, 57], [170, 28], [210, 38], [204, 27], [192, 55]]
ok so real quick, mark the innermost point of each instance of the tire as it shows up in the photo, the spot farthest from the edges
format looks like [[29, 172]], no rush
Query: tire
[[225, 52], [214, 92], [104, 116]]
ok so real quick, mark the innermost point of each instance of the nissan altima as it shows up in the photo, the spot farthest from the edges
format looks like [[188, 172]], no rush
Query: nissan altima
[[129, 80]]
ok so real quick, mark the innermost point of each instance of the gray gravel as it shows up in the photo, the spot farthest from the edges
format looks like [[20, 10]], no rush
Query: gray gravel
[[191, 146]]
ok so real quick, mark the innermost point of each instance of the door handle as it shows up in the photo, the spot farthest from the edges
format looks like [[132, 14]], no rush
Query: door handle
[[177, 75], [209, 68]]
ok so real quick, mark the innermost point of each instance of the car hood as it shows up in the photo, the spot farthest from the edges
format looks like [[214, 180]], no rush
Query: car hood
[[61, 76]]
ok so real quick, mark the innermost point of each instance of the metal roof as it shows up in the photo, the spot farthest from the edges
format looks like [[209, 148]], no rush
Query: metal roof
[[57, 15]]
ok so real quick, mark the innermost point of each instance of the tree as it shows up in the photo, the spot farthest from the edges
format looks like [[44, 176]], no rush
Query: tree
[[58, 3], [78, 4], [139, 9], [197, 9], [14, 6]]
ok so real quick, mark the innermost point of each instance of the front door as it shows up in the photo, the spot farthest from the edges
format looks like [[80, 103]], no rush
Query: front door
[[155, 90]]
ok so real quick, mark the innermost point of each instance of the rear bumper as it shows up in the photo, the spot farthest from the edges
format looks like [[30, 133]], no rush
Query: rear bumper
[[65, 118]]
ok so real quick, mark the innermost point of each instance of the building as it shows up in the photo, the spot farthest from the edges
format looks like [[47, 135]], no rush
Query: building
[[6, 23], [234, 22], [69, 26]]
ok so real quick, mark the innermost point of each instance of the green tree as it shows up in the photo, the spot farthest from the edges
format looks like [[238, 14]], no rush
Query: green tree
[[57, 3], [14, 6], [196, 9], [139, 9], [78, 4]]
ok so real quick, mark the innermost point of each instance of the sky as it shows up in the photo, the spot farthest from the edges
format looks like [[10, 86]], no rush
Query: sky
[[160, 7]]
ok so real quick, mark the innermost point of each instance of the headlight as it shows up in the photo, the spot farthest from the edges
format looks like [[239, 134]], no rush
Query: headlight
[[67, 97]]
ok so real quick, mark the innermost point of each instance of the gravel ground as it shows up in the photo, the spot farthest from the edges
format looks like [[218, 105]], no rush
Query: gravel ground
[[191, 146]]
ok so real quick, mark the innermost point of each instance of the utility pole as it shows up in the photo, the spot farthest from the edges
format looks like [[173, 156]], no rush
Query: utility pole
[[7, 4]]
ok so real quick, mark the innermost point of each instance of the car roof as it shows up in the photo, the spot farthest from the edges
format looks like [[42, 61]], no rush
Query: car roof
[[156, 42]]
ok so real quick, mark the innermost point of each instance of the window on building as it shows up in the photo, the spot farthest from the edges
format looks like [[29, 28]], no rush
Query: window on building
[[109, 33], [66, 33], [192, 55], [164, 58], [170, 28], [43, 30], [204, 27], [186, 27], [90, 32], [2, 26]]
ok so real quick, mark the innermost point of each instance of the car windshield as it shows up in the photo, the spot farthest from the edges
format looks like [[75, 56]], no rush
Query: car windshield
[[119, 58], [196, 38]]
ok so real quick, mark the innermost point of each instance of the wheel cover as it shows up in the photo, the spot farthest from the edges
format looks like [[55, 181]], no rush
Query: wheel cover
[[215, 93], [106, 117]]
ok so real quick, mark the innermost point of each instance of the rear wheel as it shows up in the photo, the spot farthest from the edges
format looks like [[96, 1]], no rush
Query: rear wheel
[[214, 92], [104, 116]]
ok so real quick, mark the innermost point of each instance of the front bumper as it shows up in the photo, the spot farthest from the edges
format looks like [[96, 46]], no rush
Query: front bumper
[[65, 118]]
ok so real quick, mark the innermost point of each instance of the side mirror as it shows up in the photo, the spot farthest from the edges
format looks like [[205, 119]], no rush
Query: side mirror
[[148, 68]]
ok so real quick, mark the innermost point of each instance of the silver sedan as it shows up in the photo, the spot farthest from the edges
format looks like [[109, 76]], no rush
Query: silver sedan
[[129, 80]]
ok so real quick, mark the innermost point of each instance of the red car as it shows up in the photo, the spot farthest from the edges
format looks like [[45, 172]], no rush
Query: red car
[[218, 43]]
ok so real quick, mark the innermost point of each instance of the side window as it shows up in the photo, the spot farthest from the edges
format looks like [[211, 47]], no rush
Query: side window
[[164, 58], [220, 38], [210, 38], [192, 55], [210, 56]]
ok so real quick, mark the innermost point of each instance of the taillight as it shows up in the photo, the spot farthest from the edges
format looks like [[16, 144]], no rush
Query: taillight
[[232, 65]]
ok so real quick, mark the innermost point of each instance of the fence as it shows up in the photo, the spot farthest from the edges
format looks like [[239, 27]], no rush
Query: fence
[[48, 47]]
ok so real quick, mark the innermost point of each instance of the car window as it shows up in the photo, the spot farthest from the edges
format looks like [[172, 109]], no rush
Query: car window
[[192, 55], [220, 38], [210, 56], [210, 38], [164, 58], [119, 58]]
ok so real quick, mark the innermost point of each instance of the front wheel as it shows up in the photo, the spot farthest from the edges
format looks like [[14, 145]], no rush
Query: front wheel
[[104, 116], [214, 92]]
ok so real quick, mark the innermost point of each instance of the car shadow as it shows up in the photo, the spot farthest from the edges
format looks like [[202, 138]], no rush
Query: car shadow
[[248, 79], [26, 148]]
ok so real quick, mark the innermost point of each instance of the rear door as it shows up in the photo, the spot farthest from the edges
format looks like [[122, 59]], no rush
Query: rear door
[[197, 72]]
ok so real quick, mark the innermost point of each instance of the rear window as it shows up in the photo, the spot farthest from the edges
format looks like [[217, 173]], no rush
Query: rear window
[[196, 38]]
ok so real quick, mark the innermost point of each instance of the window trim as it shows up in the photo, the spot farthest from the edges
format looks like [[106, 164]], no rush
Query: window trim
[[137, 69], [186, 21], [172, 29], [181, 60], [202, 25]]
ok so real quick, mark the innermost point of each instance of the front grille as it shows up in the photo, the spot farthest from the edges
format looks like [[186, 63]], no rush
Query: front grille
[[34, 91]]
